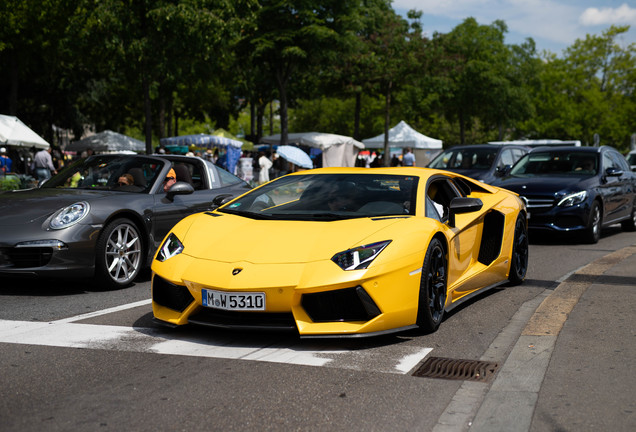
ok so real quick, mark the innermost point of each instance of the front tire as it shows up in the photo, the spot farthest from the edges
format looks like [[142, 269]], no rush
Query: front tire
[[118, 254], [519, 257], [593, 231], [432, 298]]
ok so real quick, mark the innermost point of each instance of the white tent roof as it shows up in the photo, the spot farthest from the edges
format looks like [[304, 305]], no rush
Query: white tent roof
[[313, 139], [337, 150], [14, 132], [403, 135]]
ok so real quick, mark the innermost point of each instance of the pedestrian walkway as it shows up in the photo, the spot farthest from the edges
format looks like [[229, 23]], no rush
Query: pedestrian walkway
[[571, 367]]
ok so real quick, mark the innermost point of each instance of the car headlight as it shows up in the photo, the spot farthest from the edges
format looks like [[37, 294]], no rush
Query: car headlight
[[360, 257], [69, 215], [573, 199], [171, 247]]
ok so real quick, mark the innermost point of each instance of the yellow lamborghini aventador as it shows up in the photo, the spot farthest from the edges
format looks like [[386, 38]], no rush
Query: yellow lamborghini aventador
[[341, 252]]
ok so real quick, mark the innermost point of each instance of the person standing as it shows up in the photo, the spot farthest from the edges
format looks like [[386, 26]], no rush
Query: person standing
[[409, 158], [5, 161], [44, 164], [265, 164]]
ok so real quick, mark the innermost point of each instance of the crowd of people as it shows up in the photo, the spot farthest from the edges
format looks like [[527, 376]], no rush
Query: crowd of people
[[255, 167]]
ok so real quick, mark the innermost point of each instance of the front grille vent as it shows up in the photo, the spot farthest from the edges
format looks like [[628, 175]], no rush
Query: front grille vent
[[456, 369]]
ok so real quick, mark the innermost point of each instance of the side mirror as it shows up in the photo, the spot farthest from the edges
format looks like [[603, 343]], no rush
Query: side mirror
[[179, 188], [462, 205], [503, 171], [613, 172], [219, 200]]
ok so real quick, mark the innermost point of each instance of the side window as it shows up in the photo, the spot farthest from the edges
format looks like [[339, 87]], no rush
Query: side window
[[608, 162], [619, 161], [506, 158], [439, 193], [517, 154]]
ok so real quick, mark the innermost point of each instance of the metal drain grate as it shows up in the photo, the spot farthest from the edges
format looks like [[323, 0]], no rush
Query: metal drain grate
[[456, 369]]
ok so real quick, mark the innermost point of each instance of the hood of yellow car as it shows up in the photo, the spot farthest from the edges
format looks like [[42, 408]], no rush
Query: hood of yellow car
[[230, 238]]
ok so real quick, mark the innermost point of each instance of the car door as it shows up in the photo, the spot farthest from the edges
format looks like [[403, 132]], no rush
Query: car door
[[463, 238], [209, 182], [613, 189]]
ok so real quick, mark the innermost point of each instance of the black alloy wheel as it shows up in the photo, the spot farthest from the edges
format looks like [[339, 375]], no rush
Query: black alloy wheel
[[593, 231], [432, 298], [520, 248]]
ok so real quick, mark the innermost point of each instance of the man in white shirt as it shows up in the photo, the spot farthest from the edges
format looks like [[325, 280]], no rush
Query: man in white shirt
[[44, 164], [409, 158]]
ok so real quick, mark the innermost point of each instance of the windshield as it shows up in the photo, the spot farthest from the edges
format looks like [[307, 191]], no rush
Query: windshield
[[329, 197], [550, 163], [469, 158], [631, 158], [107, 172]]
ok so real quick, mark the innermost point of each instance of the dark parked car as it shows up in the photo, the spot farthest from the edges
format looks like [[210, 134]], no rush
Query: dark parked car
[[575, 189], [82, 222], [484, 162]]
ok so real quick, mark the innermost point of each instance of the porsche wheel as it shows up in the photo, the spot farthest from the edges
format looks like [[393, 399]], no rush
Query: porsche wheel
[[593, 232], [432, 300], [118, 254], [630, 224], [519, 257]]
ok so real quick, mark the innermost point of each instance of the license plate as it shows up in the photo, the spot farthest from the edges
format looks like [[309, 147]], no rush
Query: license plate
[[244, 301]]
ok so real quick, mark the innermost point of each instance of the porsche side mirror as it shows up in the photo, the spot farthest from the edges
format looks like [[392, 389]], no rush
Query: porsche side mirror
[[179, 188], [462, 205], [219, 200]]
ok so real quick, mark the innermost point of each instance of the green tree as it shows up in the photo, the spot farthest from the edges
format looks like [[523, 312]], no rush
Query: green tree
[[291, 36], [591, 90], [473, 68]]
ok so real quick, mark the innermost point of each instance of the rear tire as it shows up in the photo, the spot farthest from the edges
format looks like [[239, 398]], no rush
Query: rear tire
[[519, 257], [593, 231], [432, 298], [118, 254]]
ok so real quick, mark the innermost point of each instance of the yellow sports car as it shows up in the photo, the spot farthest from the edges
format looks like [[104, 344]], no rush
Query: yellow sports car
[[341, 252]]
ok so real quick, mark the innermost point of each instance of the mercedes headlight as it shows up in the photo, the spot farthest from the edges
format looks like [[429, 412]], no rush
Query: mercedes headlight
[[69, 215], [171, 247], [360, 257], [573, 199]]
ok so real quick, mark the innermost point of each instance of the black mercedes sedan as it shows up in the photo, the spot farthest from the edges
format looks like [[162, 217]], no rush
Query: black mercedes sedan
[[484, 162], [575, 189], [105, 216]]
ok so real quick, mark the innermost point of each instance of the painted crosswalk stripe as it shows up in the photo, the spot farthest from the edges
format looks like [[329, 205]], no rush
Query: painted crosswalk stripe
[[68, 333]]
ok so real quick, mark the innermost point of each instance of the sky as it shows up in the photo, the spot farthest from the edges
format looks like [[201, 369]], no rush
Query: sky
[[553, 24]]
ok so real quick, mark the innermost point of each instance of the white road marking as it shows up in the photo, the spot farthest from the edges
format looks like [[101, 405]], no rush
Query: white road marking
[[391, 358], [104, 311]]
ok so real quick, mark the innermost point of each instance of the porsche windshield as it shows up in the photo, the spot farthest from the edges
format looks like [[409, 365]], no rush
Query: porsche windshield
[[109, 172], [325, 197], [550, 163]]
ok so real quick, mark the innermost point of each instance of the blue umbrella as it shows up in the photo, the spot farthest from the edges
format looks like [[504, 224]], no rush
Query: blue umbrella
[[295, 155]]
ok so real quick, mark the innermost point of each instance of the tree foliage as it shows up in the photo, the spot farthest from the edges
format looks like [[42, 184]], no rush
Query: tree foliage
[[342, 66]]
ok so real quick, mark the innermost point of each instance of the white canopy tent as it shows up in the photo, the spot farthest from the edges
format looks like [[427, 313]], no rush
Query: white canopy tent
[[337, 150], [402, 135], [14, 132]]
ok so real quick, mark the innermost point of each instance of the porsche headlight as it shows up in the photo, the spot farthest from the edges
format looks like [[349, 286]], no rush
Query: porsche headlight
[[171, 247], [360, 257], [69, 216], [573, 199]]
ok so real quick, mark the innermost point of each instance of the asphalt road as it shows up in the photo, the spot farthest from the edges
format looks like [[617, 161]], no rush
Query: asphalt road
[[76, 358]]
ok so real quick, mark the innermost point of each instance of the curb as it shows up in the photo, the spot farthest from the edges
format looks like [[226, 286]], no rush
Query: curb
[[508, 405]]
